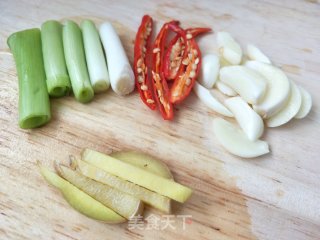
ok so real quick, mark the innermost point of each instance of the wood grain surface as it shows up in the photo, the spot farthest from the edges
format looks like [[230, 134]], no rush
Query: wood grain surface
[[276, 196]]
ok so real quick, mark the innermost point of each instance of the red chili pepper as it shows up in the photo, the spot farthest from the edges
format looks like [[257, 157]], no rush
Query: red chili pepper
[[142, 43], [160, 86], [173, 58], [189, 69]]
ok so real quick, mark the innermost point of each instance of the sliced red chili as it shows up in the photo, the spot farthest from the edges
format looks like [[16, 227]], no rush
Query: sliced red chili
[[173, 58], [189, 70], [160, 86], [142, 44]]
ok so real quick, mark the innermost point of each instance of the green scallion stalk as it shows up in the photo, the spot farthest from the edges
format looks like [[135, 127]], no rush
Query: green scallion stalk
[[58, 82], [76, 62], [34, 105], [96, 62]]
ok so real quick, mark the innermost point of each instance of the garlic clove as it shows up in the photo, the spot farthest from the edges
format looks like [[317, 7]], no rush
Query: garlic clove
[[229, 49], [306, 104], [210, 101], [235, 141], [278, 89], [289, 111], [250, 85], [250, 122]]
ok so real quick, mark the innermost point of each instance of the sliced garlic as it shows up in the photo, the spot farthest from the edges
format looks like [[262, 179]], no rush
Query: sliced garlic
[[229, 48], [256, 54], [225, 89], [210, 101], [250, 85], [306, 104], [209, 70], [250, 122], [289, 111], [278, 90], [235, 141]]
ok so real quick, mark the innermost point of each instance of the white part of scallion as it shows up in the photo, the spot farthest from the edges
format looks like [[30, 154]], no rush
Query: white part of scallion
[[120, 71], [96, 62]]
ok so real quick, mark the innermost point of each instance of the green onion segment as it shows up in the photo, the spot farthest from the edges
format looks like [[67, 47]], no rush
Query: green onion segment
[[58, 82], [96, 62], [34, 105], [76, 62]]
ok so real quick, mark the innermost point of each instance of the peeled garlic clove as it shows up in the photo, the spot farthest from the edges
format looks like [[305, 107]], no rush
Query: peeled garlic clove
[[250, 122], [235, 141], [306, 104], [256, 54], [278, 90], [209, 70], [208, 99], [205, 43], [226, 90], [250, 85], [224, 63], [289, 111], [229, 48]]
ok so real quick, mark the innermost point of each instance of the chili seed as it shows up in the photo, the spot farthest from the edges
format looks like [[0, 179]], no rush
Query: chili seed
[[188, 81], [144, 49], [139, 70], [185, 61], [195, 52], [175, 94], [197, 61], [190, 56], [139, 62], [194, 66], [155, 50], [140, 79], [192, 74], [189, 36], [144, 87], [150, 100]]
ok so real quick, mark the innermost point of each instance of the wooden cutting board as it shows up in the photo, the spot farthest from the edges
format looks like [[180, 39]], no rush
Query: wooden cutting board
[[272, 197]]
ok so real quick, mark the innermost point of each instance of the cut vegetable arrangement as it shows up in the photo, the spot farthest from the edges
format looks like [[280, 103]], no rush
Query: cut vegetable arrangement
[[266, 94], [71, 57], [114, 188], [165, 71], [179, 61]]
